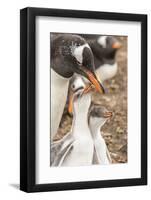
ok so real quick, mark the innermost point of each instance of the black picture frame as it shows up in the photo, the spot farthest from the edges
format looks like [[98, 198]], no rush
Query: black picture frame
[[28, 98]]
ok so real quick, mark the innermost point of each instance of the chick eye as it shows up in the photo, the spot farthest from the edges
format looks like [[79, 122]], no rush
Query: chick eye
[[73, 86]]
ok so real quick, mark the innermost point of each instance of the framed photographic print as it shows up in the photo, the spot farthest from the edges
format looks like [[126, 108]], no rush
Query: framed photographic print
[[83, 99]]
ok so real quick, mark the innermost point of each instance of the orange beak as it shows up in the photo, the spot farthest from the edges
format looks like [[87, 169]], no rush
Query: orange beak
[[108, 114], [70, 105], [94, 84], [88, 88], [94, 80], [116, 45]]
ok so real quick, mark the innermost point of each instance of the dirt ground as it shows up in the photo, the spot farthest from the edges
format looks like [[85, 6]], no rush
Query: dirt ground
[[114, 131]]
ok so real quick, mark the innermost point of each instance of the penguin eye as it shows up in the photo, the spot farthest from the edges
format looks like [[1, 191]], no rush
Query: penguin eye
[[73, 86], [78, 62]]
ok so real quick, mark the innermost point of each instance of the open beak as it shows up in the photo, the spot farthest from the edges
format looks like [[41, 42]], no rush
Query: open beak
[[116, 45], [93, 79], [95, 84], [88, 88], [108, 114]]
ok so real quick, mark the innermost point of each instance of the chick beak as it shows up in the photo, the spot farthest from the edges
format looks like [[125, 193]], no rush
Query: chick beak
[[108, 114], [70, 104], [94, 80], [88, 88]]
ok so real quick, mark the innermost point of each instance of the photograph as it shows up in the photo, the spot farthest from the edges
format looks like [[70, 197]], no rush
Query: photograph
[[83, 99], [88, 99]]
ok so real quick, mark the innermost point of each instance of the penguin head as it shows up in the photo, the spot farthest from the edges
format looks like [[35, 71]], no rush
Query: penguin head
[[83, 60], [71, 54], [108, 45], [98, 115]]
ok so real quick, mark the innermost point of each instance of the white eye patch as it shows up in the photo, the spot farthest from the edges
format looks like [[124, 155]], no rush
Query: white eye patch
[[78, 52], [102, 41]]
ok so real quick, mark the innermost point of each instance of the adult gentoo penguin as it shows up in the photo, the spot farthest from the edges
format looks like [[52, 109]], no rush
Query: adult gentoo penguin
[[104, 49], [98, 116], [76, 147], [69, 54]]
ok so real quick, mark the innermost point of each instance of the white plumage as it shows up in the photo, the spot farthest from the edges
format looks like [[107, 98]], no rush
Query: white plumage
[[101, 153], [82, 152], [107, 71], [102, 41], [59, 90], [77, 52]]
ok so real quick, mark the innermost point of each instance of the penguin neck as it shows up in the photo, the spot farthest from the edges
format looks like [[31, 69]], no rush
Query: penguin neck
[[80, 119], [102, 60], [58, 78], [95, 127], [95, 131], [110, 61]]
